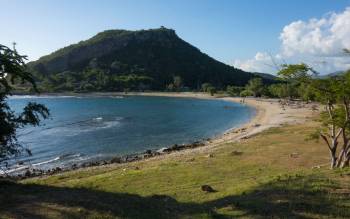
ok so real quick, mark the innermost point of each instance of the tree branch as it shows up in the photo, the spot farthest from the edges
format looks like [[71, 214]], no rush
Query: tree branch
[[324, 137]]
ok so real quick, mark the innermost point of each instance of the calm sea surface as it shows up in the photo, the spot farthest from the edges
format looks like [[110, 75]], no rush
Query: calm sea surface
[[92, 128]]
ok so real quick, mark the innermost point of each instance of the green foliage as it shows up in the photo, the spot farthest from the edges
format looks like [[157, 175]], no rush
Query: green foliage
[[170, 87], [327, 90], [255, 86], [93, 79], [338, 119], [246, 93], [306, 92], [177, 82], [211, 90], [13, 71], [234, 91], [334, 93], [297, 78], [205, 87], [283, 90], [297, 72], [176, 85]]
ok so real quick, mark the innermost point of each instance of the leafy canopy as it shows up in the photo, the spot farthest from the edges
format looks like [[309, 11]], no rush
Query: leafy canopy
[[13, 71]]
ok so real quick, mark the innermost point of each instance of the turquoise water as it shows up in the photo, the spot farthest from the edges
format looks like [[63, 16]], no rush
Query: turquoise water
[[92, 128]]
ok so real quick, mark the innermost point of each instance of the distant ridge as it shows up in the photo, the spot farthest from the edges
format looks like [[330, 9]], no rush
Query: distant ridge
[[144, 59], [333, 74]]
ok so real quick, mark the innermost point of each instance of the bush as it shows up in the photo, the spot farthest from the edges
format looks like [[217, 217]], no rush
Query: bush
[[205, 87], [234, 91], [211, 90], [246, 93]]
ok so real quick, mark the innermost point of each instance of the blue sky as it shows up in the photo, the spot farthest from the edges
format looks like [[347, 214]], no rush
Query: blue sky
[[231, 31]]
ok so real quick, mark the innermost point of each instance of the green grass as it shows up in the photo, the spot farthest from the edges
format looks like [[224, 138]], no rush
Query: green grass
[[263, 181]]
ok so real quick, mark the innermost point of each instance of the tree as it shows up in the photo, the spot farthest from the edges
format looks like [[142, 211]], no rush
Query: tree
[[295, 75], [246, 93], [13, 71], [255, 86], [177, 82], [205, 87], [211, 90], [276, 90], [305, 92], [334, 93], [234, 91]]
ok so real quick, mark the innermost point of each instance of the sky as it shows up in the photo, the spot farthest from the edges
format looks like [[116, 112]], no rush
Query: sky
[[254, 35]]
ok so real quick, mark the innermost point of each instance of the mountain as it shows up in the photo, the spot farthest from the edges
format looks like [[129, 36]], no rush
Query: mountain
[[265, 76], [114, 60], [333, 74]]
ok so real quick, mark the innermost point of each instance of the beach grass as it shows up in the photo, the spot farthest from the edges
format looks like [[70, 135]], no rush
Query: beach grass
[[276, 173]]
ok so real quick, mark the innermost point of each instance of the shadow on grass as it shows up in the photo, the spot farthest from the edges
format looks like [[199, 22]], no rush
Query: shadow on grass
[[297, 197]]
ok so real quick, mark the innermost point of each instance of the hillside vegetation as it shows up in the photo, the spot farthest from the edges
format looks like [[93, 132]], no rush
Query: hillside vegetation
[[118, 60]]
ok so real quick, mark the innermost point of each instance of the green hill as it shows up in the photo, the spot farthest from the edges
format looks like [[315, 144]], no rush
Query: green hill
[[115, 60]]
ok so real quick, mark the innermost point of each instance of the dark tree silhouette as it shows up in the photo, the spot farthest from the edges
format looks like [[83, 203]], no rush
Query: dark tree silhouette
[[12, 72]]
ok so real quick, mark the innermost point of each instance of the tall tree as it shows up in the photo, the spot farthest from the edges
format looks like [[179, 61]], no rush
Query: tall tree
[[334, 93], [13, 71], [295, 76], [255, 86], [177, 82]]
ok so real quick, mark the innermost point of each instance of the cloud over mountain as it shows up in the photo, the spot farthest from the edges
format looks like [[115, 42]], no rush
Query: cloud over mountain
[[318, 42]]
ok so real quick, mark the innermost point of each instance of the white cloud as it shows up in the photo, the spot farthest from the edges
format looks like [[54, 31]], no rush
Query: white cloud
[[262, 62], [327, 36], [317, 42]]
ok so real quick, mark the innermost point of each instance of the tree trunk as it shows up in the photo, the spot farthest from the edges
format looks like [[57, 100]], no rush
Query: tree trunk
[[343, 152], [346, 161], [341, 158], [333, 159]]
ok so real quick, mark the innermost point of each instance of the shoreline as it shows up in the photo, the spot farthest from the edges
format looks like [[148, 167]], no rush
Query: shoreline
[[268, 114]]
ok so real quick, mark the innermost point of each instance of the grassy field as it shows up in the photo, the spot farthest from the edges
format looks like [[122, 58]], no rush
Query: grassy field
[[269, 175]]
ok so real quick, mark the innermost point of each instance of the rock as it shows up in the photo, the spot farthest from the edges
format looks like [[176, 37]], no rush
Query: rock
[[20, 163], [28, 173], [256, 125], [207, 188], [196, 144], [294, 155], [148, 155], [162, 150], [176, 147], [148, 152], [116, 160], [131, 158], [236, 153]]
